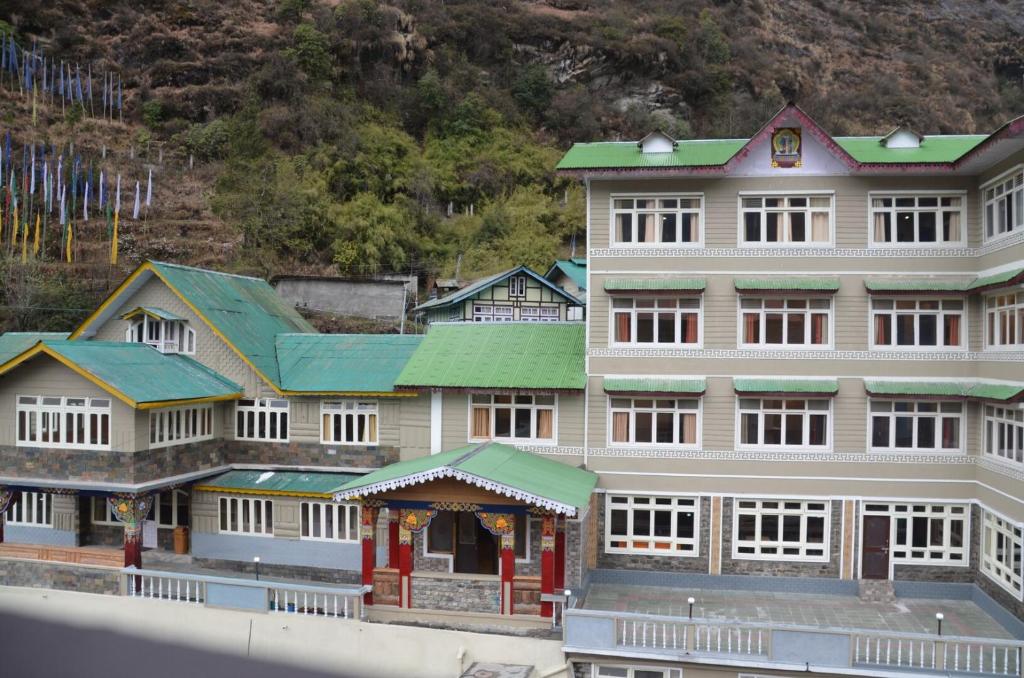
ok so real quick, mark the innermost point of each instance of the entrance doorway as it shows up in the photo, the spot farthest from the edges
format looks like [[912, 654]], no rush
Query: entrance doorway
[[473, 548], [875, 548]]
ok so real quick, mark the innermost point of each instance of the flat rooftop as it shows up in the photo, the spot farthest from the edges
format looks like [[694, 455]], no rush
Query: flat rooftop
[[904, 615]]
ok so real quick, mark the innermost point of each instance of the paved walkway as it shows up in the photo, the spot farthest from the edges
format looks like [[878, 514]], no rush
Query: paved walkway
[[962, 617]]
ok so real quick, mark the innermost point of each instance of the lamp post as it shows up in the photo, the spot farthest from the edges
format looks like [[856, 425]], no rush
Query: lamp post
[[938, 620], [256, 560], [691, 600]]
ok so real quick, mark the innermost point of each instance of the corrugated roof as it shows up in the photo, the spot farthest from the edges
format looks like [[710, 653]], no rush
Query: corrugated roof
[[14, 343], [957, 389], [933, 149], [575, 269], [498, 356], [655, 285], [785, 284], [654, 385], [479, 285], [246, 311], [916, 285], [996, 391], [290, 483], [153, 311], [343, 363], [137, 373], [772, 385], [626, 154], [500, 468], [996, 279]]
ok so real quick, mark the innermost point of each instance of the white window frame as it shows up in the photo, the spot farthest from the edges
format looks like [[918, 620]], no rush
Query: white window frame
[[48, 408], [678, 211], [1007, 424], [914, 414], [678, 311], [996, 318], [574, 312], [33, 509], [486, 313], [906, 553], [272, 410], [675, 411], [347, 513], [623, 671], [762, 508], [807, 312], [349, 411], [179, 425], [172, 336], [672, 545], [533, 407], [805, 421], [741, 236], [996, 563], [940, 313], [235, 504], [517, 286], [539, 314], [939, 210], [1014, 194]]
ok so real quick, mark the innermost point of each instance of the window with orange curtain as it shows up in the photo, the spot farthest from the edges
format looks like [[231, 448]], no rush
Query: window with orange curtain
[[481, 422], [664, 321], [780, 322], [1004, 320], [655, 421], [794, 220], [923, 425], [512, 417], [349, 422], [912, 323]]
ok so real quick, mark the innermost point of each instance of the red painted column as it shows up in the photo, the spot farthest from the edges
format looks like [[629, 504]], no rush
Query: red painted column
[[7, 499], [404, 567], [393, 539], [508, 569], [368, 535], [547, 561], [133, 547], [559, 554]]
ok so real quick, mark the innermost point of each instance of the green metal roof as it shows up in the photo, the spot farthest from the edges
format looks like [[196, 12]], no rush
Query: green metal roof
[[545, 356], [996, 391], [957, 389], [654, 385], [996, 278], [771, 385], [575, 269], [627, 154], [655, 285], [916, 285], [143, 374], [933, 149], [496, 467], [247, 311], [482, 284], [786, 284], [293, 483], [153, 311], [13, 344], [343, 363]]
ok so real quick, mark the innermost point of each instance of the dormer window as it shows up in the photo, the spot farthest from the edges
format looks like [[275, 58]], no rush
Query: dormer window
[[902, 137], [657, 142], [517, 286], [160, 329]]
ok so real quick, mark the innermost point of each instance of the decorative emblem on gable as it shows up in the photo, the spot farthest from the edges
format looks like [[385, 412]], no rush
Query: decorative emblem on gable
[[786, 147]]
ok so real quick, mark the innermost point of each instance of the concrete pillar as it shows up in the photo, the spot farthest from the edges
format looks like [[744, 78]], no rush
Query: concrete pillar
[[435, 420], [715, 557], [547, 561]]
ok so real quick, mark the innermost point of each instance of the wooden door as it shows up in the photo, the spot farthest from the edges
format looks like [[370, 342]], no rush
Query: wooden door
[[466, 551], [875, 559]]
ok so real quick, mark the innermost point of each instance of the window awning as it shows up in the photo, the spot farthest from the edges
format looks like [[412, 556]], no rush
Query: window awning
[[499, 468], [279, 483], [151, 311], [654, 386], [767, 386], [946, 389], [829, 285], [997, 280], [916, 285], [680, 285]]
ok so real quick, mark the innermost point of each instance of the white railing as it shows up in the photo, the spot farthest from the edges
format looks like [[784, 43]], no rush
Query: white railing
[[982, 656], [339, 602], [673, 634]]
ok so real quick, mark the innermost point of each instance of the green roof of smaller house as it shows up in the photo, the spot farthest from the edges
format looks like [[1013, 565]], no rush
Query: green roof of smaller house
[[770, 385], [627, 154], [513, 356], [996, 278], [655, 285], [499, 468], [916, 285], [933, 149], [343, 363], [289, 483], [13, 344], [786, 284], [956, 389], [482, 284], [654, 385], [153, 311], [575, 269]]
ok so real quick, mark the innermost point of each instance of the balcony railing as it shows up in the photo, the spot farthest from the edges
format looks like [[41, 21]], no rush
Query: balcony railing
[[785, 646]]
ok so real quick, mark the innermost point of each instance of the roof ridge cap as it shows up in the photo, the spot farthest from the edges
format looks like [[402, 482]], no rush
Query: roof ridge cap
[[206, 270]]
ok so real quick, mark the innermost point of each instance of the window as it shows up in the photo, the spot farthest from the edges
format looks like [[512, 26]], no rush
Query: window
[[780, 530], [328, 521], [917, 323], [672, 220], [517, 286], [1004, 433], [348, 422], [262, 419], [635, 672], [63, 422], [166, 336], [926, 533], [180, 425], [32, 508], [665, 526], [1001, 544], [924, 425], [1004, 320], [241, 515], [574, 313], [489, 313], [528, 418], [539, 314], [791, 220], [657, 321], [917, 220], [1004, 204], [797, 424], [785, 323], [647, 421], [170, 509]]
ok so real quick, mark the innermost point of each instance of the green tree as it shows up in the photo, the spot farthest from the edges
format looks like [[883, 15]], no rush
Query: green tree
[[368, 235], [309, 47]]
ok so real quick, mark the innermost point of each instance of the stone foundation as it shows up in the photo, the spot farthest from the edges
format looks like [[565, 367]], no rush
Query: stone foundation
[[638, 561], [61, 576], [456, 593]]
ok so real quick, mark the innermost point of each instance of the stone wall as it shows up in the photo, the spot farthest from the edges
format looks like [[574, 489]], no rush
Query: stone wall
[[63, 576], [457, 593], [634, 561]]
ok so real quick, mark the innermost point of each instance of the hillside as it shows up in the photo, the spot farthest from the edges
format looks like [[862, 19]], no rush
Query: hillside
[[355, 136]]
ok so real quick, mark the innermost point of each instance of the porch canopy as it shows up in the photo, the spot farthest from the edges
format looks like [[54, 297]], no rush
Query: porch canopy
[[499, 468]]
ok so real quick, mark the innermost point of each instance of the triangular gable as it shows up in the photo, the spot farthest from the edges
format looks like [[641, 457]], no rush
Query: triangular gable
[[484, 283]]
